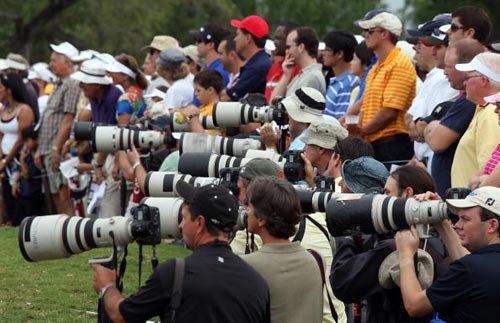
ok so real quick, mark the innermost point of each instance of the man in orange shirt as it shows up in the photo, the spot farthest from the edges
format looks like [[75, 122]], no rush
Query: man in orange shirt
[[390, 89]]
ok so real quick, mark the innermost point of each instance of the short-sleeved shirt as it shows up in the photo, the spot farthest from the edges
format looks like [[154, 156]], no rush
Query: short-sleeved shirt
[[131, 102], [63, 99], [180, 94], [338, 94], [252, 78], [457, 118], [468, 291], [476, 145], [104, 111], [389, 84], [310, 76], [218, 286]]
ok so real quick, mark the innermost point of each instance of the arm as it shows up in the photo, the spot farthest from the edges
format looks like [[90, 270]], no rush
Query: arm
[[112, 298], [62, 135], [25, 119], [440, 137], [309, 170], [414, 297], [288, 66], [383, 117], [139, 171], [124, 119]]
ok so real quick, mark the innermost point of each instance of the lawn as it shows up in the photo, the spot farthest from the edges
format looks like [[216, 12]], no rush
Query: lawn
[[60, 290]]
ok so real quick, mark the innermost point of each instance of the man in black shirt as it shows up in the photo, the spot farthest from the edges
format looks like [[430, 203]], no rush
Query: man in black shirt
[[218, 286]]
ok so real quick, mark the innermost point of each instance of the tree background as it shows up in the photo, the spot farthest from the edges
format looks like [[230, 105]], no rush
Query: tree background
[[116, 26]]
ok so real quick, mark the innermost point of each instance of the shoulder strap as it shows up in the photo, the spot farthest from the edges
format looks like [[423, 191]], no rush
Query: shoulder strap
[[175, 300], [321, 227], [301, 230], [319, 260]]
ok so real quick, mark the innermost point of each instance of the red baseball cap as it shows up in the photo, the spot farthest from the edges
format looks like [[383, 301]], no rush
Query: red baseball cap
[[255, 25]]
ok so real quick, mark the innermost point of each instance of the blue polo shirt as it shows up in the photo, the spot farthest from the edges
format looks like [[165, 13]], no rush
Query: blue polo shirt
[[457, 118], [338, 94], [363, 80], [215, 65], [104, 111], [252, 77], [469, 290]]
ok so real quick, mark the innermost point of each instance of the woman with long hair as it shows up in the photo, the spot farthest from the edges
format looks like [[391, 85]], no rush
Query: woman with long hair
[[16, 115]]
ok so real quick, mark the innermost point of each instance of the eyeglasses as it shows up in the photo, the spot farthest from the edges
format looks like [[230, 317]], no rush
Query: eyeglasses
[[468, 77], [454, 27], [372, 30]]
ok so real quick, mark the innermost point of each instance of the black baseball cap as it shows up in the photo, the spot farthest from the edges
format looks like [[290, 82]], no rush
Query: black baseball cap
[[216, 203]]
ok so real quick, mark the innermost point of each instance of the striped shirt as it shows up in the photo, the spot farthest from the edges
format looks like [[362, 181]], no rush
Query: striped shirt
[[493, 161], [63, 100], [338, 94], [389, 84]]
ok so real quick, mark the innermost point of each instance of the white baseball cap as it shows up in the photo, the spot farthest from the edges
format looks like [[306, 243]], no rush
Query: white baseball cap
[[65, 49]]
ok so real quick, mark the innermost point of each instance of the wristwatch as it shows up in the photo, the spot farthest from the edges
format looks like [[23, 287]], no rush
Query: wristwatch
[[191, 116], [104, 290]]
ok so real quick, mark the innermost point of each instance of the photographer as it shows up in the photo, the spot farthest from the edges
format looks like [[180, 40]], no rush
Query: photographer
[[273, 210], [468, 290], [312, 236], [321, 139], [218, 286], [355, 269]]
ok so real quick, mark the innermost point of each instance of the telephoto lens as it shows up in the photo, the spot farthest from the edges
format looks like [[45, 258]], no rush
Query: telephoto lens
[[162, 184], [205, 143]]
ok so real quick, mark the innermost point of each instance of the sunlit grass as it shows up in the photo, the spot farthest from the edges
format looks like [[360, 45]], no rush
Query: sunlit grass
[[60, 290]]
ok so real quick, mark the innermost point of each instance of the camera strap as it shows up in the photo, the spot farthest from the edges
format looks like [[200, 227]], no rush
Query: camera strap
[[319, 261], [302, 228], [175, 300]]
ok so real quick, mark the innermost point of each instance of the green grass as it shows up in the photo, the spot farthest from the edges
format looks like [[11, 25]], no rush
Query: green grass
[[61, 290]]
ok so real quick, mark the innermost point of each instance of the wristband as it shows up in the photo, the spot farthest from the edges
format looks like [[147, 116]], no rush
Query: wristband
[[104, 290], [55, 148], [135, 166]]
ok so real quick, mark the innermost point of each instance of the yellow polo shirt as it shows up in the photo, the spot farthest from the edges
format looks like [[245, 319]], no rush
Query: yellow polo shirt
[[476, 145], [389, 84]]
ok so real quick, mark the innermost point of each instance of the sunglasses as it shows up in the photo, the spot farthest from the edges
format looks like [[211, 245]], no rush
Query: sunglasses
[[468, 77], [372, 30], [454, 27]]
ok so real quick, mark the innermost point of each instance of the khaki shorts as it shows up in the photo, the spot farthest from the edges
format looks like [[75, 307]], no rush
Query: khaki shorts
[[56, 179]]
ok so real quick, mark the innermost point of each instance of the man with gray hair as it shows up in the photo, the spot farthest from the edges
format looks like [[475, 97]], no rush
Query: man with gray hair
[[321, 139], [478, 142], [56, 123]]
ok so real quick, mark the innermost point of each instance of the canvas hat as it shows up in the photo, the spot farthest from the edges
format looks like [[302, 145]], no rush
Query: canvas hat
[[364, 174], [156, 93], [216, 203], [191, 51], [91, 72], [65, 49], [389, 272], [255, 25], [324, 134], [493, 99], [384, 20], [171, 59], [19, 59], [259, 167], [480, 64], [305, 105], [8, 63], [162, 42], [487, 197]]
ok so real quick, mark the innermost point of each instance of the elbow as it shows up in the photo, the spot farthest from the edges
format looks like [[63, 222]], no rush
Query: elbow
[[414, 310], [436, 147]]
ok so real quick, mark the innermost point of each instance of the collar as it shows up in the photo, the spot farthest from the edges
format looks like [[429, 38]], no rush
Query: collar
[[394, 52]]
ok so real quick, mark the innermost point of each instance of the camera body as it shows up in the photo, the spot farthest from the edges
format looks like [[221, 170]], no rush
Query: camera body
[[294, 166], [145, 226]]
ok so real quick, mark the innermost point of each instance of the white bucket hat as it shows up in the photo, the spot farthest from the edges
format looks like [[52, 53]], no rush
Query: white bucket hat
[[389, 271], [305, 105], [91, 72]]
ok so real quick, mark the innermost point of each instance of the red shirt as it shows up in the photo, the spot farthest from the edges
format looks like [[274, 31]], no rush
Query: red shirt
[[274, 76]]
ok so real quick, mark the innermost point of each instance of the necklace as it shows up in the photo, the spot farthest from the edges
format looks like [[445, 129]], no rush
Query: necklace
[[10, 109]]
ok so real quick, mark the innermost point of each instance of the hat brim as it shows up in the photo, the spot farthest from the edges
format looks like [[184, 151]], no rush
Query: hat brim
[[237, 23], [466, 67], [88, 79], [455, 205], [389, 270], [196, 35], [433, 41], [186, 191], [293, 108], [415, 33]]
